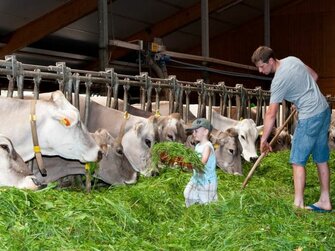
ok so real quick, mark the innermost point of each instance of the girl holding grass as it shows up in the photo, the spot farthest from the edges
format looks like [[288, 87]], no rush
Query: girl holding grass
[[202, 188]]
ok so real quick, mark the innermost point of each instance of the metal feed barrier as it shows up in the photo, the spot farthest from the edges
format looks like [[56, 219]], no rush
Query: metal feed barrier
[[179, 93]]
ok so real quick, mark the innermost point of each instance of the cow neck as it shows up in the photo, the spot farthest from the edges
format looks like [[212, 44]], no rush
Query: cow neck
[[37, 148], [126, 117]]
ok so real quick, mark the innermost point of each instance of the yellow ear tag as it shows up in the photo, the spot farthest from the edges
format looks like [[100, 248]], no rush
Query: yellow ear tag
[[65, 122], [126, 115], [157, 113], [260, 133], [216, 146]]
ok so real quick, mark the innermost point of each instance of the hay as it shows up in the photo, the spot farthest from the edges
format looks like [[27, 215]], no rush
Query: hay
[[151, 215], [176, 154]]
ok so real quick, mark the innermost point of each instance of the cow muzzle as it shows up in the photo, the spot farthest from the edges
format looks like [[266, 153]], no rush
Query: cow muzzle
[[100, 155]]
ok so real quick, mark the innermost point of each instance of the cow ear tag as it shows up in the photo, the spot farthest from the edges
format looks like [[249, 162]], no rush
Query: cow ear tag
[[216, 146], [126, 115], [65, 122], [157, 113]]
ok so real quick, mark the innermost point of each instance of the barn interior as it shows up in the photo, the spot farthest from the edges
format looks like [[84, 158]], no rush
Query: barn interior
[[192, 39]]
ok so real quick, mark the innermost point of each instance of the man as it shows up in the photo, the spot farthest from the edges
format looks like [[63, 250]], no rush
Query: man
[[296, 82]]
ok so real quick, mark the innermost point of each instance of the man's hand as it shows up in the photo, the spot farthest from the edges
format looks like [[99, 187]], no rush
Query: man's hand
[[265, 147]]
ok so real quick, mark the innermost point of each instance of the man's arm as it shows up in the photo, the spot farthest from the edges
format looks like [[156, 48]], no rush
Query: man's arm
[[269, 122]]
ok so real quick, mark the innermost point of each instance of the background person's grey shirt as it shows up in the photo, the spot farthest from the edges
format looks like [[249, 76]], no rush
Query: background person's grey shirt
[[293, 82]]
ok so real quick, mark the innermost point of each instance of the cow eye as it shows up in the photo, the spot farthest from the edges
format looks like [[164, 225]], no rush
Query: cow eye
[[170, 137], [148, 142], [242, 136], [5, 147]]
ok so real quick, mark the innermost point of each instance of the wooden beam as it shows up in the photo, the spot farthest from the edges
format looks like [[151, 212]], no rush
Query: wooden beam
[[171, 24], [46, 24]]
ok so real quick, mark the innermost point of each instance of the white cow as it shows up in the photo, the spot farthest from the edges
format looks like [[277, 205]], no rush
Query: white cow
[[59, 128], [247, 133], [14, 172]]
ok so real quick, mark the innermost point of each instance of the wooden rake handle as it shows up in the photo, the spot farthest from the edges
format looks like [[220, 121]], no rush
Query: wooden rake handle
[[264, 153]]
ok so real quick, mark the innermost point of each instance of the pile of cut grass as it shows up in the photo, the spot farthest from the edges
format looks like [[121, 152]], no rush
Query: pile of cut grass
[[151, 215]]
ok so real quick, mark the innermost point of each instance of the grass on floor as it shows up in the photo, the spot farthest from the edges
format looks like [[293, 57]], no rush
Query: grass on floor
[[151, 215]]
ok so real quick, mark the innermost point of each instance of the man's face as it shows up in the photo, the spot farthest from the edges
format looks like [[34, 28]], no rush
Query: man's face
[[265, 68]]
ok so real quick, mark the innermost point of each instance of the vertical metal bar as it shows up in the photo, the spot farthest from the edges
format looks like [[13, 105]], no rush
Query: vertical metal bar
[[204, 34], [103, 34], [204, 28], [267, 22]]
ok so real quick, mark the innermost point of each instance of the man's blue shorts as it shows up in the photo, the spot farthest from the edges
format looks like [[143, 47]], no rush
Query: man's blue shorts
[[311, 137]]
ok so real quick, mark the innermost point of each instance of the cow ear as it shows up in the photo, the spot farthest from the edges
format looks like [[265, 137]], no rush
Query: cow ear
[[138, 127], [58, 98], [260, 129], [213, 139]]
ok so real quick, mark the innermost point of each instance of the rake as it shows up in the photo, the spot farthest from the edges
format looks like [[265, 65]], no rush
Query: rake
[[264, 153]]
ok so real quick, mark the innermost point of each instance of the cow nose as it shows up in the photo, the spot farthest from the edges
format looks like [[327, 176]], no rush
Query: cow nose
[[253, 159], [99, 155], [39, 184]]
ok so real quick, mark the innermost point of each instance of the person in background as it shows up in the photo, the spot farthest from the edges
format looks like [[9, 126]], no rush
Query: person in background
[[202, 187], [296, 82]]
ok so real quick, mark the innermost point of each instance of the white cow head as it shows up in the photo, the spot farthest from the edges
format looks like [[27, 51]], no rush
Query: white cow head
[[137, 143], [247, 134], [14, 172], [61, 131]]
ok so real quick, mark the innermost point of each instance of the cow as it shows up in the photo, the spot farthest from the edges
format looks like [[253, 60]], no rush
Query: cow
[[283, 141], [14, 171], [331, 140], [247, 133], [113, 169], [227, 150], [140, 133], [102, 100], [246, 128], [58, 125]]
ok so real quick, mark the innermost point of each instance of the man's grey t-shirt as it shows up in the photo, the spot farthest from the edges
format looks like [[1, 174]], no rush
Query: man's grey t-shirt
[[293, 82]]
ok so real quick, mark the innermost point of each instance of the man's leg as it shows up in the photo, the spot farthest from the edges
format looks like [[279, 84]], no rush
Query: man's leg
[[299, 177], [324, 200]]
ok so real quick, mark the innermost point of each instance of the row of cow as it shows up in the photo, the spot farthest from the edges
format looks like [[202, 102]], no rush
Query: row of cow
[[120, 142]]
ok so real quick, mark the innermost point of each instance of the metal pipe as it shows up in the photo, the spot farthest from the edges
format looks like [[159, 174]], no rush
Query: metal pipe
[[204, 28], [204, 35], [267, 22], [103, 34]]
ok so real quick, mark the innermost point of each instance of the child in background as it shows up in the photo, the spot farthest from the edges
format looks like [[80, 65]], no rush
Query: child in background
[[202, 188]]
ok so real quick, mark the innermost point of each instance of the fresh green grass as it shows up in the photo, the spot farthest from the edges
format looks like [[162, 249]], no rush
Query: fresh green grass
[[151, 215]]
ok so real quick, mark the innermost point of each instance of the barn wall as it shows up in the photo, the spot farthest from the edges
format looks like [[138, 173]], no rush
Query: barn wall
[[305, 29]]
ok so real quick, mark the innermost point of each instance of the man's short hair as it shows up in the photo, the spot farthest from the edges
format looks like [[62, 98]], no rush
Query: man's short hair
[[262, 53]]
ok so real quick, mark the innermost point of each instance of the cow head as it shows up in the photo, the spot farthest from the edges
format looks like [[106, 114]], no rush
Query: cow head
[[61, 131], [137, 143], [227, 150], [114, 167], [171, 128], [247, 134], [14, 172], [283, 141]]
